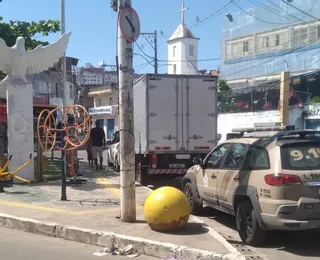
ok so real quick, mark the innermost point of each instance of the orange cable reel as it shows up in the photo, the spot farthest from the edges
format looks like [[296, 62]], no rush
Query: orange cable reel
[[47, 129]]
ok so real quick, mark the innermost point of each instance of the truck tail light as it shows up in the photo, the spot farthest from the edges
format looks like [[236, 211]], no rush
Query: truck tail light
[[282, 179], [154, 160]]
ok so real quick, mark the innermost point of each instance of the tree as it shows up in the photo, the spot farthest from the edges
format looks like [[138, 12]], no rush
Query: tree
[[224, 101], [223, 86], [10, 31]]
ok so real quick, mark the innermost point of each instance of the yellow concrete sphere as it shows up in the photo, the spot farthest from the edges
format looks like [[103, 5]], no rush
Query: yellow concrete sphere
[[167, 209]]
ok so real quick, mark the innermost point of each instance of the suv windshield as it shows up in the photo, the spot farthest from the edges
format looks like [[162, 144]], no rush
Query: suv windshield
[[301, 156]]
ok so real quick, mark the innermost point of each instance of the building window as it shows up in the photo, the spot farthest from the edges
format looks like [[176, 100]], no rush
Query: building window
[[98, 102], [266, 42], [57, 90], [246, 46], [234, 49], [277, 39], [71, 91], [304, 35], [191, 50], [174, 69], [110, 101], [318, 31], [174, 51]]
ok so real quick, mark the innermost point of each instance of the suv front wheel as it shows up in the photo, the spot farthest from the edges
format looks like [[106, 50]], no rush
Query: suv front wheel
[[196, 208], [248, 226]]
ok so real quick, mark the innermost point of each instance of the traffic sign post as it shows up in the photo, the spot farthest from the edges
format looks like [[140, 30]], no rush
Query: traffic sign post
[[128, 32], [129, 24]]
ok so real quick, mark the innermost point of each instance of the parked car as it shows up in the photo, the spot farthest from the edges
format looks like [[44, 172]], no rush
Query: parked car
[[113, 152], [269, 180]]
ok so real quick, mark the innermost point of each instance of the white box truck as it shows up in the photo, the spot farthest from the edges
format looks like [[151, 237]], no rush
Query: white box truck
[[175, 120]]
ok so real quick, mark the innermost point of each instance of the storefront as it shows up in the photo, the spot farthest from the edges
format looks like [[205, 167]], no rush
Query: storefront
[[107, 116], [313, 117]]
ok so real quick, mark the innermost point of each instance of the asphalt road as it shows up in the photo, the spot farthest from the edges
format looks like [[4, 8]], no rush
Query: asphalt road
[[278, 246], [16, 245]]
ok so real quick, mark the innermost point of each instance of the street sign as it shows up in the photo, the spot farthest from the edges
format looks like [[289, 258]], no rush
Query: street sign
[[129, 24]]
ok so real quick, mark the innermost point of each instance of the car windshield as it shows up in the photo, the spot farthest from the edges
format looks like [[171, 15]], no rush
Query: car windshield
[[301, 156]]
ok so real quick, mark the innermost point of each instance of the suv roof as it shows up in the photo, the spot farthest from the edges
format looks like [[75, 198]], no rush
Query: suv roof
[[263, 136]]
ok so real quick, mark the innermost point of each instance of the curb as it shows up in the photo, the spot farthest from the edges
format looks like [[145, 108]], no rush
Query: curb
[[111, 240]]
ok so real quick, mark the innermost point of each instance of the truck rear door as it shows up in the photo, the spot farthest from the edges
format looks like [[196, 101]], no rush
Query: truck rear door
[[199, 110], [163, 130]]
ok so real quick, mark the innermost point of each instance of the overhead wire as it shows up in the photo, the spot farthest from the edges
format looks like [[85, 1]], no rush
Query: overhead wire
[[209, 17], [265, 7], [255, 17], [316, 18]]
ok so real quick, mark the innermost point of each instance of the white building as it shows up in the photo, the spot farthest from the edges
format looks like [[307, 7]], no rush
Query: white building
[[183, 49], [105, 108], [95, 76]]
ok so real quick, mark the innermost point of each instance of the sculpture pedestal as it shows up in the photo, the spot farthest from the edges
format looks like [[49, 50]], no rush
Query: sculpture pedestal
[[20, 127]]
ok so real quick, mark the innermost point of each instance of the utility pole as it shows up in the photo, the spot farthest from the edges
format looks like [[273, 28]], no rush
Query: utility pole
[[65, 95], [155, 52], [155, 48], [127, 140]]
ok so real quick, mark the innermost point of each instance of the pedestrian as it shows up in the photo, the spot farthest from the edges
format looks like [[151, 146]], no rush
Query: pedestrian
[[98, 142], [89, 152]]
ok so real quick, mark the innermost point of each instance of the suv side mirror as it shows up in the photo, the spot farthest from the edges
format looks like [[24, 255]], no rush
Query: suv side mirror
[[197, 160]]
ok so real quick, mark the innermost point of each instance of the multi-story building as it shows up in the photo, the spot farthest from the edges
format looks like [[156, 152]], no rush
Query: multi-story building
[[105, 107], [94, 76], [258, 44]]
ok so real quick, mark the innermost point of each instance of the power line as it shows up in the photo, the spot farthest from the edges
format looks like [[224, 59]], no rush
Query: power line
[[265, 7], [208, 18], [285, 11], [159, 60], [255, 17], [301, 11]]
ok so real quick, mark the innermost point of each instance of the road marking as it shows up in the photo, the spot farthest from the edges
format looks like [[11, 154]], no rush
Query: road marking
[[108, 182], [55, 210]]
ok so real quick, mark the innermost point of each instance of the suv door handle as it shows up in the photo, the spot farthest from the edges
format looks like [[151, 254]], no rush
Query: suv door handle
[[236, 178], [213, 176]]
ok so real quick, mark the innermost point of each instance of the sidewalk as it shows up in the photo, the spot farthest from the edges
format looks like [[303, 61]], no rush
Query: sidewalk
[[95, 206]]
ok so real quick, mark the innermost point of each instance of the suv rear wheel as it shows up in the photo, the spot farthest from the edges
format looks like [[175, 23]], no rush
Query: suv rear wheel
[[248, 226], [196, 207]]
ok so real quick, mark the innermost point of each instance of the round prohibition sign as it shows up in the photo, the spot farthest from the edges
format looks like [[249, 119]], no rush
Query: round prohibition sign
[[129, 24]]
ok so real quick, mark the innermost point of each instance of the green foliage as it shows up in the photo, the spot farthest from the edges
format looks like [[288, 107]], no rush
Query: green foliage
[[223, 86], [315, 99], [10, 31], [13, 29], [224, 97]]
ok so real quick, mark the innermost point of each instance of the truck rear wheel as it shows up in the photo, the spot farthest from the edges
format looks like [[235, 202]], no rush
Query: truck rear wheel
[[140, 177]]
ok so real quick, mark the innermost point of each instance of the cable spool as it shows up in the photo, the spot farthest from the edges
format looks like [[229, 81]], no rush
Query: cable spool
[[48, 128]]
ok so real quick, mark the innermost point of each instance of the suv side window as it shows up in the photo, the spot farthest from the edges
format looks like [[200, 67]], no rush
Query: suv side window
[[235, 156], [257, 159], [214, 160]]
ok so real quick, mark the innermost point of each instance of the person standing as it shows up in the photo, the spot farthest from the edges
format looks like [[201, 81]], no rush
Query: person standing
[[98, 142]]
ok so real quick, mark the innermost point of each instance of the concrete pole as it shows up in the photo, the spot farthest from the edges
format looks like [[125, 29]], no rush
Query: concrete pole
[[155, 52], [284, 98], [127, 145], [65, 96]]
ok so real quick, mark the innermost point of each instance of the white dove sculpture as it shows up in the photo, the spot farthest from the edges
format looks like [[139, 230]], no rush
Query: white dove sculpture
[[16, 61]]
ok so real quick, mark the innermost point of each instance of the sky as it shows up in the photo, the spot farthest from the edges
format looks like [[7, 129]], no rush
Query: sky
[[93, 26]]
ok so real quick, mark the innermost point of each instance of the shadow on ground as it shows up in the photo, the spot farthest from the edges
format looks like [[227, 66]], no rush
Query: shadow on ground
[[191, 229], [300, 243]]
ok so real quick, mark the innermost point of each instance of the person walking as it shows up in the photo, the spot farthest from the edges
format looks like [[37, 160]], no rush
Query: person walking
[[98, 142]]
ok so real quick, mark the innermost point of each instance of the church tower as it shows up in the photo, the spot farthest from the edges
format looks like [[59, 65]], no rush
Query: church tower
[[183, 49]]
